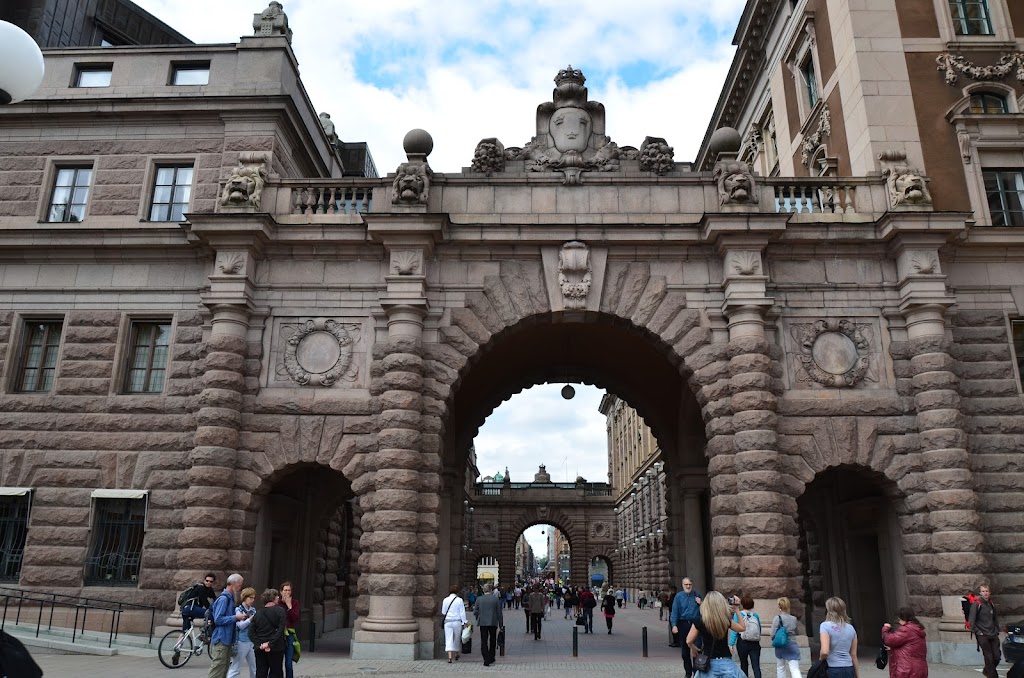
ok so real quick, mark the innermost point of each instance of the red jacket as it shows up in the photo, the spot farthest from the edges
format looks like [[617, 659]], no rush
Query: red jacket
[[908, 651]]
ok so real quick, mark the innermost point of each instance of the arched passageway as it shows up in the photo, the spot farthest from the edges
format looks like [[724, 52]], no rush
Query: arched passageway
[[628, 361], [850, 545], [306, 533]]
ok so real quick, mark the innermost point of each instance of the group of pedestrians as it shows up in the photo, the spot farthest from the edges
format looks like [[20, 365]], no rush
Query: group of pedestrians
[[260, 639], [712, 625]]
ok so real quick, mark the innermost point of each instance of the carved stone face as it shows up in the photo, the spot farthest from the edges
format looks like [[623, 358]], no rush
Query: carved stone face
[[410, 185], [737, 186], [909, 187], [571, 128], [241, 187]]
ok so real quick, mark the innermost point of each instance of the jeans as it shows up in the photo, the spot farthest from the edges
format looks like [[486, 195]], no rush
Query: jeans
[[221, 654], [246, 656], [749, 650], [488, 639], [189, 613], [535, 620], [268, 664], [289, 653], [723, 667], [990, 651], [588, 619], [608, 621], [841, 672]]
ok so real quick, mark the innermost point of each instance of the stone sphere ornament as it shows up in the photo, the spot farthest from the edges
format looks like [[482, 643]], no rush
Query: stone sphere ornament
[[22, 67], [418, 142], [724, 140], [568, 392]]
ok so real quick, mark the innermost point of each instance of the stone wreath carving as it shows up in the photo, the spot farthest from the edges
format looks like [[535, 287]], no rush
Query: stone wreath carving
[[834, 352], [955, 65], [318, 352], [574, 273], [489, 157], [813, 141], [656, 156]]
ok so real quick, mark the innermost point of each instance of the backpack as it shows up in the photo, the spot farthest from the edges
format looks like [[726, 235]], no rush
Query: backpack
[[591, 602], [753, 630], [966, 602], [186, 595]]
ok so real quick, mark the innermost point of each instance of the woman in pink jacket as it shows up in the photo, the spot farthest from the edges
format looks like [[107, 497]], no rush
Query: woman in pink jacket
[[908, 651]]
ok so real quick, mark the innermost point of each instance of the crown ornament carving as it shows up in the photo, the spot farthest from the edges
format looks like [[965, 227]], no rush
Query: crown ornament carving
[[570, 74]]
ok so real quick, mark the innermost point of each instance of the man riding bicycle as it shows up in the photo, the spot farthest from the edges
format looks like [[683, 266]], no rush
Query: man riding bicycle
[[198, 600]]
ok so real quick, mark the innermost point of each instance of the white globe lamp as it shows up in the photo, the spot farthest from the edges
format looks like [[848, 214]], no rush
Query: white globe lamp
[[21, 64]]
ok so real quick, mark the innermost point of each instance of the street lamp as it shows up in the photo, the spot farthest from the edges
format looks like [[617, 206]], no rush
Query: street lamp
[[22, 71]]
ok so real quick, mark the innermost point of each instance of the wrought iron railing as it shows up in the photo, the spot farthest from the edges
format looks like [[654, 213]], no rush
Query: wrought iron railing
[[20, 599], [116, 553], [13, 532]]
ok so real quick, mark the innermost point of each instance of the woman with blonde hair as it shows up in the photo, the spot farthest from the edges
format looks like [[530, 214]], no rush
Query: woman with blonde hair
[[716, 620], [787, 652], [838, 640]]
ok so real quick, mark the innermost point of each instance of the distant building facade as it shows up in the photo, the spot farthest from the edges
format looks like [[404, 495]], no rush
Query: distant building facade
[[89, 23]]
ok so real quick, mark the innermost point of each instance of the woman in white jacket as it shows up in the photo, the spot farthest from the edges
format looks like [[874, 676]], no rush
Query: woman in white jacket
[[453, 612]]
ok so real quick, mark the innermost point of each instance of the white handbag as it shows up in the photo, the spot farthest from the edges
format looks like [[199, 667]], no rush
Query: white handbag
[[467, 633]]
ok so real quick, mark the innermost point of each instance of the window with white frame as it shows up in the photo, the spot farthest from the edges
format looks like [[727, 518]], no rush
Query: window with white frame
[[70, 194], [971, 17], [801, 58], [809, 81], [985, 103], [172, 191], [1004, 189]]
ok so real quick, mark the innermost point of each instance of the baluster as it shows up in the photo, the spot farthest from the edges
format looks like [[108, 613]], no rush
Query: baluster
[[298, 201], [331, 205], [311, 199], [350, 200], [849, 206], [368, 194]]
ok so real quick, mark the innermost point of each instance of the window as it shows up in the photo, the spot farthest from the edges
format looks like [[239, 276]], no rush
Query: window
[[93, 76], [14, 508], [115, 553], [147, 359], [172, 190], [771, 145], [70, 194], [190, 74], [988, 102], [38, 364], [971, 17], [1017, 328], [1005, 192], [810, 82]]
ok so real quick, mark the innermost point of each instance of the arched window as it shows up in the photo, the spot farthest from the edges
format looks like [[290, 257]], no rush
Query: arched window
[[988, 102]]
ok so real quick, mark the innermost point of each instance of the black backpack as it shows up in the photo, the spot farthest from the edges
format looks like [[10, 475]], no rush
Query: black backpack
[[15, 661]]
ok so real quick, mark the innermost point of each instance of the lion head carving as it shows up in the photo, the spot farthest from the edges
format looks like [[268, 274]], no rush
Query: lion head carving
[[244, 187], [411, 184], [735, 183]]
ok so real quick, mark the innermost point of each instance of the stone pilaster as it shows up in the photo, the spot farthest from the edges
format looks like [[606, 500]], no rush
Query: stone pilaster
[[957, 557]]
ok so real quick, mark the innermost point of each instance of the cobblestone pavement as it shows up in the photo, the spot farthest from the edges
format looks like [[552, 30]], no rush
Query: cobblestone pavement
[[600, 655]]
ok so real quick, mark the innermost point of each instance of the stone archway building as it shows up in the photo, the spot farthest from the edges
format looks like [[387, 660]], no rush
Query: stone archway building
[[770, 331]]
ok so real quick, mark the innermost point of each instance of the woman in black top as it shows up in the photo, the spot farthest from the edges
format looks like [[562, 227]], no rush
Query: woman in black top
[[608, 607], [267, 635], [716, 620]]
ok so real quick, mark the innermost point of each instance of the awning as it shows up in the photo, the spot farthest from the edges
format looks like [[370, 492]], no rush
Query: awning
[[14, 491], [485, 575], [119, 494], [597, 577]]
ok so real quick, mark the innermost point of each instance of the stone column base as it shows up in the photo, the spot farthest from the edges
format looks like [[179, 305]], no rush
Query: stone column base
[[398, 645], [954, 653]]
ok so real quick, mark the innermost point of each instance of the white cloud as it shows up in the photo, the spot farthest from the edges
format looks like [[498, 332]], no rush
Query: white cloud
[[466, 70]]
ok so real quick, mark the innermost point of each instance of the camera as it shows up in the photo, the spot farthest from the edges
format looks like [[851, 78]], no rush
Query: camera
[[734, 600]]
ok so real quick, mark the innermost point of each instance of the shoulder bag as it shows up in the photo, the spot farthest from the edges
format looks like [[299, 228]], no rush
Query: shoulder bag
[[444, 615], [781, 637]]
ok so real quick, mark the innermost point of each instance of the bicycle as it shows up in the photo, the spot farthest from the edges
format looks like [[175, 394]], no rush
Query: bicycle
[[177, 647]]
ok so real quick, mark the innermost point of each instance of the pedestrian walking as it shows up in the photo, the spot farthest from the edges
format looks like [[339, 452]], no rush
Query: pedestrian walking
[[787, 654], [618, 597], [748, 643], [608, 607], [245, 655], [673, 639], [537, 600], [567, 599], [838, 640], [222, 639], [587, 604], [709, 636], [267, 635], [907, 645], [488, 618], [685, 611], [453, 616], [984, 623]]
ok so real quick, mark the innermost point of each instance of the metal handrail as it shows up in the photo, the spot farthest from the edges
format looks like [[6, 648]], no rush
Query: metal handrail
[[81, 605]]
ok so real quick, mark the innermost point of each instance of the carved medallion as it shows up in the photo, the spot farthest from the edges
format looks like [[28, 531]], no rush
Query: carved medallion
[[833, 352], [600, 530], [318, 352]]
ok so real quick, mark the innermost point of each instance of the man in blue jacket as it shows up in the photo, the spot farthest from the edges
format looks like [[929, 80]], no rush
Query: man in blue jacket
[[223, 635], [685, 611]]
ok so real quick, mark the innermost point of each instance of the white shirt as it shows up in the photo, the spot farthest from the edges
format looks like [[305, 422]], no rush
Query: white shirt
[[453, 609]]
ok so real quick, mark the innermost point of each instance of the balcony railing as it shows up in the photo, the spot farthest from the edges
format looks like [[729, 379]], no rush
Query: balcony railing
[[337, 196], [504, 489]]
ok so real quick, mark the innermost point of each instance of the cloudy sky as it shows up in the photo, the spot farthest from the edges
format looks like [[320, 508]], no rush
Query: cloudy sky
[[465, 69], [469, 69]]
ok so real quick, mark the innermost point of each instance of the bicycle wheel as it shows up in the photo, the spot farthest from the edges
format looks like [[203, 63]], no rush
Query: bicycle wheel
[[175, 649]]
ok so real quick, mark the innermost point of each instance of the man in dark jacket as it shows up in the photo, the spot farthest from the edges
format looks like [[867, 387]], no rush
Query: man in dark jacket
[[985, 626], [488, 618], [537, 599], [670, 598], [198, 600]]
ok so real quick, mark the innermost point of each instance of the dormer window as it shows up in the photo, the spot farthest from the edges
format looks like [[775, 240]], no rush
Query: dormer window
[[985, 103]]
